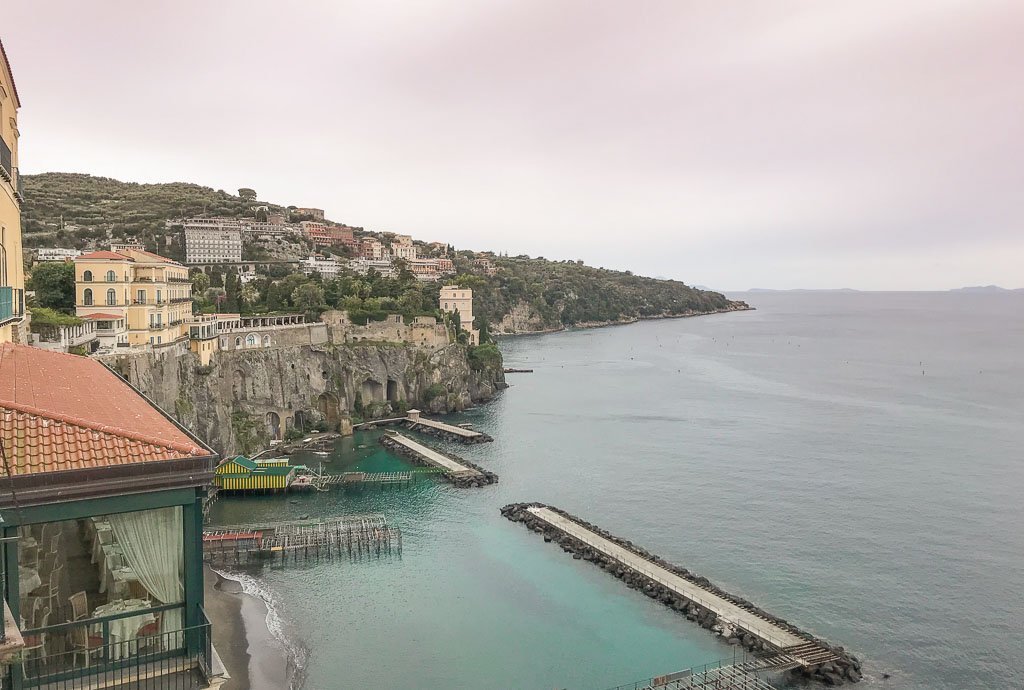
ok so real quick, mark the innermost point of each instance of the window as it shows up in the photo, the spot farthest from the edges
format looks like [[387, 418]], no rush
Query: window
[[87, 277], [266, 341], [111, 296], [159, 296], [140, 297], [87, 296], [250, 340], [111, 277], [238, 341]]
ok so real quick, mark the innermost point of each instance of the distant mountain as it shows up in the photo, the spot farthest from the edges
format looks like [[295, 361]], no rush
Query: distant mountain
[[985, 288]]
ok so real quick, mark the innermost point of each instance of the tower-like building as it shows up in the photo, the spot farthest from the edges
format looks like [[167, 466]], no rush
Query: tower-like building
[[460, 299]]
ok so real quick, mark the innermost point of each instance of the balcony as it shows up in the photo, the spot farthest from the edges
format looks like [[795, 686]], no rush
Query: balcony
[[6, 161], [89, 653], [12, 304]]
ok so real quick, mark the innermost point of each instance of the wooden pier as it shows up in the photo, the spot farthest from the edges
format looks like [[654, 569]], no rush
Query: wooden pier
[[353, 537], [781, 645], [456, 470]]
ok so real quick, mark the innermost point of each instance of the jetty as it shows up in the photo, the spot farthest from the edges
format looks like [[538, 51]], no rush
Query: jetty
[[782, 645], [722, 675], [431, 427], [352, 537], [518, 371], [456, 470]]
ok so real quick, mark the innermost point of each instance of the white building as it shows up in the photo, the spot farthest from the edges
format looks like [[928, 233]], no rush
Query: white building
[[459, 299], [383, 267], [327, 267], [213, 241], [404, 251], [127, 245], [56, 254]]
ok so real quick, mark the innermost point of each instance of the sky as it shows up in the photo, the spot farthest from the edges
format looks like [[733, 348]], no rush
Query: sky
[[779, 144]]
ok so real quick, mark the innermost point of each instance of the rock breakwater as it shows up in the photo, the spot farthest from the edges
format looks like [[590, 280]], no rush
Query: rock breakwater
[[477, 478], [843, 667]]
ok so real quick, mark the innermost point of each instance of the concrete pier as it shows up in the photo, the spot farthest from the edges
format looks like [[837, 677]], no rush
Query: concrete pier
[[456, 470], [431, 427], [781, 644]]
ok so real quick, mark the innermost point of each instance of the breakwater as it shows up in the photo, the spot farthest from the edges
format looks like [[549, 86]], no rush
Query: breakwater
[[455, 470], [446, 432], [737, 620]]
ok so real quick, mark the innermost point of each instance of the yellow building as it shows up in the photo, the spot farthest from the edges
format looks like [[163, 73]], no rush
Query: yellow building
[[152, 293], [13, 322], [202, 337], [460, 299]]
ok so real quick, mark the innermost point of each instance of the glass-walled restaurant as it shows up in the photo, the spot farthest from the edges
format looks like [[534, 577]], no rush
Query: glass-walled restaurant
[[100, 536]]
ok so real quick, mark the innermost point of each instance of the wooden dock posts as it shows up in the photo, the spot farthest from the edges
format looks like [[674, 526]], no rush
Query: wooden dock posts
[[352, 537], [782, 644]]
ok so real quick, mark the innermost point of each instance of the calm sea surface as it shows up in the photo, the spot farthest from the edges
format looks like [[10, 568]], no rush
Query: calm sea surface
[[851, 462]]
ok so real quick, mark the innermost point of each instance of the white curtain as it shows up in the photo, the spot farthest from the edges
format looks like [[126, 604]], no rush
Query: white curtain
[[153, 545]]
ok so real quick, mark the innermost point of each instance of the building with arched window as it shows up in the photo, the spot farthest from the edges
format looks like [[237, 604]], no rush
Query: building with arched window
[[152, 295]]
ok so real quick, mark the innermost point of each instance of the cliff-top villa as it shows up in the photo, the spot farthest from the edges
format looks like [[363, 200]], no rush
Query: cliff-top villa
[[455, 299]]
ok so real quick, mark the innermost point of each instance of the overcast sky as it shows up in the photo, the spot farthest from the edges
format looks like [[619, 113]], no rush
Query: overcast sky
[[866, 144]]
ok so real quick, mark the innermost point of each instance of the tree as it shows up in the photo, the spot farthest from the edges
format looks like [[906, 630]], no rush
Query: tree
[[247, 194], [200, 281], [309, 298], [54, 285]]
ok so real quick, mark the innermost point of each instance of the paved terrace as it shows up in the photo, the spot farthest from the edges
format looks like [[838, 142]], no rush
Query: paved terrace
[[726, 610], [433, 457]]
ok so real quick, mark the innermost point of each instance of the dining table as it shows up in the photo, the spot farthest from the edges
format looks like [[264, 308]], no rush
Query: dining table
[[123, 631]]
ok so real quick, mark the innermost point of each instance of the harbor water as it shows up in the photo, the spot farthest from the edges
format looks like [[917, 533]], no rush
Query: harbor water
[[848, 461]]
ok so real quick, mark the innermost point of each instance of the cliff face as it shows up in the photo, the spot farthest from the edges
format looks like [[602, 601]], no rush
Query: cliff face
[[246, 397]]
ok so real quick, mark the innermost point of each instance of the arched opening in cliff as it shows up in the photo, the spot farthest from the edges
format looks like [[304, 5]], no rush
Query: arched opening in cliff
[[392, 390], [330, 409], [273, 421], [301, 421], [372, 391], [238, 385]]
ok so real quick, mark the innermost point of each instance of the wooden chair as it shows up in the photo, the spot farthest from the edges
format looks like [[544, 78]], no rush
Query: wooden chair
[[79, 606], [84, 643]]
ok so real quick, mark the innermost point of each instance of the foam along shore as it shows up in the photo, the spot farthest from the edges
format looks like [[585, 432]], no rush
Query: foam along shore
[[783, 645], [455, 470], [253, 657]]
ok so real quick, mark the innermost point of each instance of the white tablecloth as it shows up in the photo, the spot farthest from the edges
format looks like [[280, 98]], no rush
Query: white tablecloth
[[123, 631], [29, 579]]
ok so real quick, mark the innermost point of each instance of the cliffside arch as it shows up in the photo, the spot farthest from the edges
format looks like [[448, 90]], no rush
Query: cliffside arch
[[372, 391], [330, 409], [300, 421], [273, 421], [392, 391]]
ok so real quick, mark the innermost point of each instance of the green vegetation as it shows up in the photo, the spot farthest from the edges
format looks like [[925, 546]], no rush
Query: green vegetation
[[434, 391], [54, 285], [484, 357], [45, 320]]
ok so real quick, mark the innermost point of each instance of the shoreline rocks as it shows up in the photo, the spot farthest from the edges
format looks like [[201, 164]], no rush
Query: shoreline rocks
[[847, 668], [485, 478]]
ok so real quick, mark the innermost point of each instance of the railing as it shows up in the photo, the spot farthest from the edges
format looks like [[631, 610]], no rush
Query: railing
[[89, 653], [12, 304]]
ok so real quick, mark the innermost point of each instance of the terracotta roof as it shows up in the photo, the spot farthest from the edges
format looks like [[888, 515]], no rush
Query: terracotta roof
[[63, 412], [109, 256], [102, 317], [3, 56]]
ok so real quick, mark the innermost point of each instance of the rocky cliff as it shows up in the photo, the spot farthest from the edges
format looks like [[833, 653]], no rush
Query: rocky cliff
[[246, 397]]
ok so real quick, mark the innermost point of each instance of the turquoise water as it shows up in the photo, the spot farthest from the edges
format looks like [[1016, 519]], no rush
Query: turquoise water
[[851, 462]]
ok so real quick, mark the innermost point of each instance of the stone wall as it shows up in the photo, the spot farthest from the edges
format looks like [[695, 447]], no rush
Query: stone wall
[[243, 398]]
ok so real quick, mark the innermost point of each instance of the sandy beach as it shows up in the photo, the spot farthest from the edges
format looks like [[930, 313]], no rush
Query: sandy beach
[[254, 658]]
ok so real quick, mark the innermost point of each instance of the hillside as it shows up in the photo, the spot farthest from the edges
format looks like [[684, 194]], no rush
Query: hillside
[[519, 294]]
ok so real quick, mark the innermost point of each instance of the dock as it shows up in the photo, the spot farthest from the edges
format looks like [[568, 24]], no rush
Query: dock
[[431, 427], [352, 537], [722, 675], [782, 645], [456, 470], [380, 479]]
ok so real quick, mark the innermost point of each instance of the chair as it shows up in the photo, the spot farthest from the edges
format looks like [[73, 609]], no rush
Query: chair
[[84, 643], [35, 643], [149, 634], [29, 556], [54, 595], [54, 544], [79, 606]]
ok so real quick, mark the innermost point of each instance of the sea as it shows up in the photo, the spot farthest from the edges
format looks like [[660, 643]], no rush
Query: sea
[[851, 462]]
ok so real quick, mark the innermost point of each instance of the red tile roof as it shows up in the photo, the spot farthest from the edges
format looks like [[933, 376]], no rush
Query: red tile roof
[[108, 256], [63, 412], [157, 257]]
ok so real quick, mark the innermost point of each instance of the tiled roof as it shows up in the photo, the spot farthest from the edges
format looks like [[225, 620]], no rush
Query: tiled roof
[[3, 56], [108, 256], [63, 412]]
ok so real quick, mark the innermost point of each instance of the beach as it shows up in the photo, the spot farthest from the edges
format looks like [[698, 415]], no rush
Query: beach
[[254, 658]]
